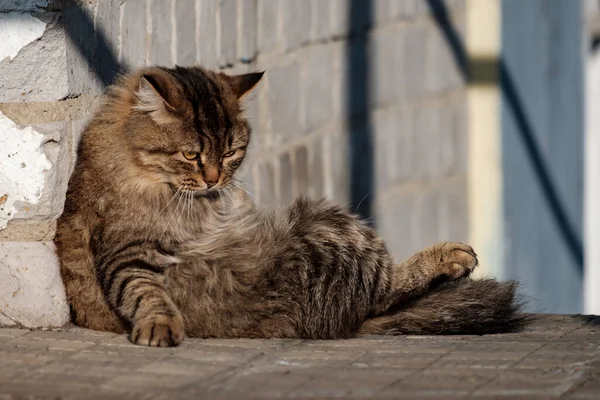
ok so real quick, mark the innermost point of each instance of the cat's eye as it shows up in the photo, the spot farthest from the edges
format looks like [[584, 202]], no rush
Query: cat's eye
[[229, 154], [190, 155]]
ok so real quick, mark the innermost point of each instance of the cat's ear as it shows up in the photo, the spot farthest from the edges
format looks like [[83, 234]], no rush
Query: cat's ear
[[157, 95], [242, 84]]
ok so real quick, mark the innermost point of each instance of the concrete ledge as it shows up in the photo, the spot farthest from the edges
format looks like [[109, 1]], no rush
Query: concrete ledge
[[28, 231], [80, 107]]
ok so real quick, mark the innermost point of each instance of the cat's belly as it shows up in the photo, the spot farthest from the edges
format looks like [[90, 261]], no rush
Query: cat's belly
[[214, 302]]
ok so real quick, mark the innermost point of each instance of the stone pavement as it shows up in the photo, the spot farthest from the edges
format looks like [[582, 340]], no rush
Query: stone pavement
[[558, 356]]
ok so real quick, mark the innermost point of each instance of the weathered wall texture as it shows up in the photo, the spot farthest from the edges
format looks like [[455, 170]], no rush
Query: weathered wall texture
[[362, 102]]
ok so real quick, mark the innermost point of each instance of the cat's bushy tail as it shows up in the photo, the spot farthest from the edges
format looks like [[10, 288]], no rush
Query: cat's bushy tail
[[467, 306]]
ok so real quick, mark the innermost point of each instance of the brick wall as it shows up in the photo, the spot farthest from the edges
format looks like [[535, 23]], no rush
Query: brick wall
[[362, 102]]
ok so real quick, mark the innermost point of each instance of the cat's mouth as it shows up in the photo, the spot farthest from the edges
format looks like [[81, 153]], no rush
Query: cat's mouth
[[195, 190]]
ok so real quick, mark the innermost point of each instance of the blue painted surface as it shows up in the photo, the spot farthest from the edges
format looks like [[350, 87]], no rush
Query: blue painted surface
[[542, 139]]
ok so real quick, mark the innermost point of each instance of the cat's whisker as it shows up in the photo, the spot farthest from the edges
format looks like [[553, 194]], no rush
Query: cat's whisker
[[167, 205], [191, 205], [186, 205], [180, 196], [240, 182], [363, 199], [226, 191], [183, 204], [370, 219], [241, 188], [233, 203], [223, 205]]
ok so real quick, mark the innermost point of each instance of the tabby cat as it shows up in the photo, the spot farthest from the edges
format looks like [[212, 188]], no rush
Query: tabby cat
[[157, 239]]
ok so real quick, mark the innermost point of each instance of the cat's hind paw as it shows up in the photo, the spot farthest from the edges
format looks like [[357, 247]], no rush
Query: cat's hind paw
[[456, 260]]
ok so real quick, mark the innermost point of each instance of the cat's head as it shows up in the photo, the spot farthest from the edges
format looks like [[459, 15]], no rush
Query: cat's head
[[186, 126]]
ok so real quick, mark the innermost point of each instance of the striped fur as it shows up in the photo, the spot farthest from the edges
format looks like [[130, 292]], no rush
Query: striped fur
[[147, 247]]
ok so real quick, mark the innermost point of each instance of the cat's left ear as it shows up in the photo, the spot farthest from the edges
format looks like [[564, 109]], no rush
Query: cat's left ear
[[242, 84], [158, 95]]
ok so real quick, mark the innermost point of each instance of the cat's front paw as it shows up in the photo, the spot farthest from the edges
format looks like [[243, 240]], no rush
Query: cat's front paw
[[158, 331], [455, 260]]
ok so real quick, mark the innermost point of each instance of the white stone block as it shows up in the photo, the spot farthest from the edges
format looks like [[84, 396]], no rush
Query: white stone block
[[18, 30], [56, 178], [23, 166], [31, 290], [33, 68], [34, 170]]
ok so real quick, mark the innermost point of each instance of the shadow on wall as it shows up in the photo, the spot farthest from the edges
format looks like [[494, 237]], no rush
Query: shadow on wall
[[91, 43], [358, 118], [478, 71]]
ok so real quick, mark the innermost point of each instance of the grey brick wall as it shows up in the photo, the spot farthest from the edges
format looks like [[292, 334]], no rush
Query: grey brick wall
[[415, 116]]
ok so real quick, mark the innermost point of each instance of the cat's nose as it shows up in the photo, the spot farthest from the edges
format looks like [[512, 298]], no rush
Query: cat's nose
[[211, 177]]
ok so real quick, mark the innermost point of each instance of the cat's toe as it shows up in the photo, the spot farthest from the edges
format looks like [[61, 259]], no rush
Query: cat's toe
[[158, 331], [457, 260]]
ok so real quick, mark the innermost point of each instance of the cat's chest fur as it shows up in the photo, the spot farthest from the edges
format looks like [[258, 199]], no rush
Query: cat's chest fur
[[180, 219]]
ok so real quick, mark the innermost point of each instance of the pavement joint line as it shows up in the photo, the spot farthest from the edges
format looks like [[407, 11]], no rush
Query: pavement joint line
[[229, 373], [542, 346], [532, 352], [418, 370]]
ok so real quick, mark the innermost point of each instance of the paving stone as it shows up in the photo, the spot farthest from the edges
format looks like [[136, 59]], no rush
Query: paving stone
[[263, 385], [438, 385], [12, 333], [134, 380], [362, 383], [77, 363]]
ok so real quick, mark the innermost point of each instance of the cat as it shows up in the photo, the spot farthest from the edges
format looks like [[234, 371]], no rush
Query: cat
[[157, 240]]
